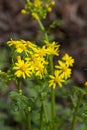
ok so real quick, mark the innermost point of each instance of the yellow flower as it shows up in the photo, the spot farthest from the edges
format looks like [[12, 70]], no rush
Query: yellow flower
[[52, 44], [40, 70], [52, 51], [12, 42], [38, 64], [65, 71], [22, 48], [22, 69], [19, 45], [68, 60], [40, 52], [56, 79], [52, 48]]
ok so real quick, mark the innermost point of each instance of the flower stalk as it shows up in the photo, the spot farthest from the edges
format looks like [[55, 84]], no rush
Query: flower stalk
[[53, 113], [76, 110], [53, 108], [27, 111], [41, 117], [44, 110], [43, 29], [28, 118]]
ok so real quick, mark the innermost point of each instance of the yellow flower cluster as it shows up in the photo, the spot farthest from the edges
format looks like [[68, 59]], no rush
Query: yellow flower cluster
[[31, 59], [62, 71], [38, 8]]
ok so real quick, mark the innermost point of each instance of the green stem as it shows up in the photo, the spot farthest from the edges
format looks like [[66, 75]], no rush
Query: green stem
[[45, 114], [19, 85], [43, 29], [53, 108], [27, 111], [52, 96], [28, 118], [53, 102], [41, 118], [51, 64], [75, 112], [53, 112], [44, 111]]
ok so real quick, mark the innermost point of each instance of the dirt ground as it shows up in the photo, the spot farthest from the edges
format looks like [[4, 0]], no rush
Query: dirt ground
[[72, 34]]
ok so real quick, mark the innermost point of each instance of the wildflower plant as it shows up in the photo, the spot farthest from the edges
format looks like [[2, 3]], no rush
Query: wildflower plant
[[34, 63]]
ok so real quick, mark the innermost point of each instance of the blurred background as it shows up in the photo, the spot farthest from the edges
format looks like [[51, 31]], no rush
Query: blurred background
[[71, 35]]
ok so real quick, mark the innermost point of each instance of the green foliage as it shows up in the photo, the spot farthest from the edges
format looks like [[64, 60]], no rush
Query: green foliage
[[55, 24], [20, 102], [4, 127]]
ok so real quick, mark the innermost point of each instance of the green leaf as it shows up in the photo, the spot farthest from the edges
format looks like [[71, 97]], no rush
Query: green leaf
[[19, 101], [56, 23]]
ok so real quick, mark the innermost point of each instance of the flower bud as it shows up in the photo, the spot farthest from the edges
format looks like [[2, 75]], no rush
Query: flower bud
[[23, 11]]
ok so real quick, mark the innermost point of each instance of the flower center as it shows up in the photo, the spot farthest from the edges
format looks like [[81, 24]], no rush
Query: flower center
[[57, 79], [23, 68], [65, 69]]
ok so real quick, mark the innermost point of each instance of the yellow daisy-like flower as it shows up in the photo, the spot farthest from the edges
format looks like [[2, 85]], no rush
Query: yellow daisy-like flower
[[52, 48], [19, 45], [22, 48], [56, 79], [22, 69], [68, 60], [40, 52], [52, 44], [65, 71], [12, 42], [40, 70], [52, 51]]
